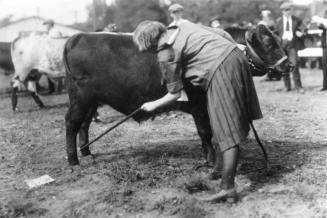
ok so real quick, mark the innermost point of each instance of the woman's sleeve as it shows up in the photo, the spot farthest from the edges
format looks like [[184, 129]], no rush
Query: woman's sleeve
[[220, 32], [170, 66]]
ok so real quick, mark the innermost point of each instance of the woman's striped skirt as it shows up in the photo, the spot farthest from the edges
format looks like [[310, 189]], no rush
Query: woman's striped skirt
[[232, 101]]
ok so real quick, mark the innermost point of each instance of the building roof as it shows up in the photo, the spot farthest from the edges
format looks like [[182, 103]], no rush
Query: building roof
[[38, 18]]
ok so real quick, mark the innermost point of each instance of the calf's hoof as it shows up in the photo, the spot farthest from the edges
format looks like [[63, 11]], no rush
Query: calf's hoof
[[88, 160], [73, 161], [86, 151]]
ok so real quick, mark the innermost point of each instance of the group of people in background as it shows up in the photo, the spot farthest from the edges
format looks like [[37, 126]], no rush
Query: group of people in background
[[291, 31]]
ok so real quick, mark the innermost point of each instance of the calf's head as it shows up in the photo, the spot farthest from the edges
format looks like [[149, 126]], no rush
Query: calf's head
[[265, 51]]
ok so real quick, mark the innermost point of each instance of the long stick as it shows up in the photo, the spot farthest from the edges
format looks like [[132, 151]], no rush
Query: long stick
[[111, 128], [260, 144]]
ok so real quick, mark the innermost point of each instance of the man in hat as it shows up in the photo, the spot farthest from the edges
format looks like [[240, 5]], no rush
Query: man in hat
[[291, 31], [266, 19], [51, 31], [215, 22], [176, 12], [322, 24]]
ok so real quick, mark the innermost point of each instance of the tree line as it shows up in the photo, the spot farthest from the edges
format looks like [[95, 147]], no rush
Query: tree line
[[126, 14]]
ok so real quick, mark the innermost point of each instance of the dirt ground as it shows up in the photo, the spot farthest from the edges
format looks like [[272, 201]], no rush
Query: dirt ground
[[148, 169]]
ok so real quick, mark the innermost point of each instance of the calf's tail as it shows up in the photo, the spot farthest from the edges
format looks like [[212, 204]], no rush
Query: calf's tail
[[64, 56]]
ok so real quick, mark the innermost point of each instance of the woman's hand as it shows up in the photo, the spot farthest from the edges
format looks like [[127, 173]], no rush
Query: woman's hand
[[149, 106], [167, 99]]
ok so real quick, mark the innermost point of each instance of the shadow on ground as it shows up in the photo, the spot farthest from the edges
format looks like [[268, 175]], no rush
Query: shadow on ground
[[184, 155]]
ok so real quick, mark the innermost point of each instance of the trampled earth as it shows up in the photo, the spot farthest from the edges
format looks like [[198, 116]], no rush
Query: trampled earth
[[149, 169]]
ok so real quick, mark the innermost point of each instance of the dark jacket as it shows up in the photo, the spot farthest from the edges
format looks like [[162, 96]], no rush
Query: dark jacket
[[297, 25], [323, 36]]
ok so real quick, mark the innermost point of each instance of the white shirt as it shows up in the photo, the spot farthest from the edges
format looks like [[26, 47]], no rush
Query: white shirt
[[287, 35]]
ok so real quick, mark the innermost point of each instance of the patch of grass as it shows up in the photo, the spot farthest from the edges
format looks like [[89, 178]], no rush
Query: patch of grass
[[84, 209], [194, 183], [72, 211], [18, 208], [307, 193], [125, 172], [122, 197], [180, 207], [165, 205], [191, 210], [151, 175]]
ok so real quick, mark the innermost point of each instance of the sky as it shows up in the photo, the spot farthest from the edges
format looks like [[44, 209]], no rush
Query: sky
[[302, 2], [61, 11]]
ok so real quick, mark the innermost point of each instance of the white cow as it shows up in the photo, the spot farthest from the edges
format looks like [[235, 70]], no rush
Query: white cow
[[33, 55]]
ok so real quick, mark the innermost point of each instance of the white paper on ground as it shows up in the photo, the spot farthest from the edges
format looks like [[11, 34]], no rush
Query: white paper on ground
[[39, 181]]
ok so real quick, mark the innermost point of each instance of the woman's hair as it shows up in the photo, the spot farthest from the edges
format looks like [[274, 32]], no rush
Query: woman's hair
[[147, 34]]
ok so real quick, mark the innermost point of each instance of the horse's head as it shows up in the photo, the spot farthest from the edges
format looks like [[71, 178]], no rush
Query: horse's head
[[265, 51]]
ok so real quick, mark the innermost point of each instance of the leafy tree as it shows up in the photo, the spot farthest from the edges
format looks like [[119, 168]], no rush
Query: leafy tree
[[128, 13], [97, 11], [230, 11]]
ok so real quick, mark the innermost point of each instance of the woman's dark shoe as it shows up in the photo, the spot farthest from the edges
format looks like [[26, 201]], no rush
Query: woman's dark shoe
[[229, 195]]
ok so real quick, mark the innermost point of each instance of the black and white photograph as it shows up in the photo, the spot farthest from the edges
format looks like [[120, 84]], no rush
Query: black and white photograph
[[163, 109]]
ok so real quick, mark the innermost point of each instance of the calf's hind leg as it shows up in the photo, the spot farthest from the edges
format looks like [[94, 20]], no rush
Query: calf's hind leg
[[84, 131], [37, 99], [75, 116]]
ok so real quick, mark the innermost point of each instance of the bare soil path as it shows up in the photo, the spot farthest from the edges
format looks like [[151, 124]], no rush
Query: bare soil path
[[148, 170]]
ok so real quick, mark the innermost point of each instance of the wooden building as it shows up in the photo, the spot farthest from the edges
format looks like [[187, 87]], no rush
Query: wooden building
[[10, 31], [31, 24]]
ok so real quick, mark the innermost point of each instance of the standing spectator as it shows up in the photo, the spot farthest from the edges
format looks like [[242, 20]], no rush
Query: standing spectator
[[324, 56], [323, 25], [267, 20], [51, 30], [215, 22], [176, 12], [291, 31]]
